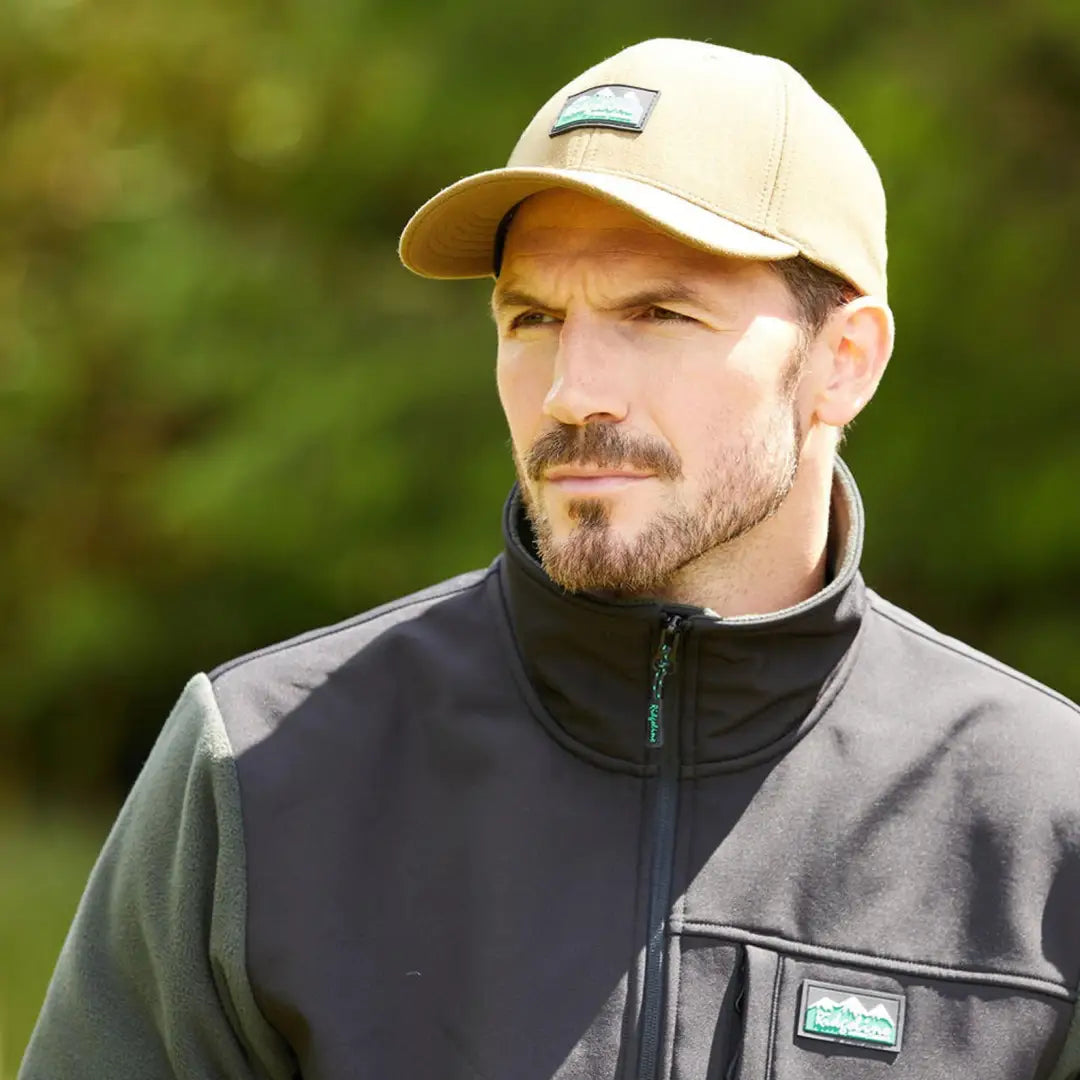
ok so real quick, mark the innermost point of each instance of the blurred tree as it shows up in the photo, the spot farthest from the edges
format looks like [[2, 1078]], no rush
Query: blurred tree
[[226, 414]]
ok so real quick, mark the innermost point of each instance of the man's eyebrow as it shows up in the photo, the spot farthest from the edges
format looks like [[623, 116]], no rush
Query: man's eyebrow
[[661, 292], [511, 297]]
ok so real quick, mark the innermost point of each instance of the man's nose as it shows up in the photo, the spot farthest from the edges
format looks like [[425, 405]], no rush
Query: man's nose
[[589, 381]]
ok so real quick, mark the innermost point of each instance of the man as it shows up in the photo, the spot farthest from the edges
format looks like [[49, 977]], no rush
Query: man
[[666, 791]]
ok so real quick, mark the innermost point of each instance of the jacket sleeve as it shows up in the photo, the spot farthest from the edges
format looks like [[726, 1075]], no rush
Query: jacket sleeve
[[151, 982]]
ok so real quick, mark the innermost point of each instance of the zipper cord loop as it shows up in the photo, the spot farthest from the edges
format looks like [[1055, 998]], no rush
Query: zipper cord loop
[[663, 662]]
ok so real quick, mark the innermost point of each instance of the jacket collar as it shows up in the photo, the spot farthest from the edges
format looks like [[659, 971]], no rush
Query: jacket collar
[[742, 688]]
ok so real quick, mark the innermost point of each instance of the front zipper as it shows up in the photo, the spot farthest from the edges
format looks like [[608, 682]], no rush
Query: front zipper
[[661, 740]]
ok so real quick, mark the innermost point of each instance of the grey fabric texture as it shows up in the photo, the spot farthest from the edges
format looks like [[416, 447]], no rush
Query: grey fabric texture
[[151, 982]]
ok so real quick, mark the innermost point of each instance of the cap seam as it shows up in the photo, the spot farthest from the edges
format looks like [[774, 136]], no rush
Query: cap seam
[[578, 148], [776, 153], [783, 176], [587, 150]]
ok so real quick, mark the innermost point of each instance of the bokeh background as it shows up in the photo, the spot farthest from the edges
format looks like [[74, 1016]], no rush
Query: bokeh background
[[228, 415]]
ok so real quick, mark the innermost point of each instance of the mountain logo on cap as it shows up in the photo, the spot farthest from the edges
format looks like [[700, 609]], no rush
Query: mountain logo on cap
[[625, 108]]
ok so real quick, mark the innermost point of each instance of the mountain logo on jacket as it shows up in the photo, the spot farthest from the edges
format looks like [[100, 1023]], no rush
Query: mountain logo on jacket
[[849, 1015]]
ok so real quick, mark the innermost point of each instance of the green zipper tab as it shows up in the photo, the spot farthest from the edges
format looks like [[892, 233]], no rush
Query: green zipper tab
[[662, 665]]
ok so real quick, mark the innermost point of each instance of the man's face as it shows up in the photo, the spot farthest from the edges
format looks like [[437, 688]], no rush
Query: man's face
[[651, 391]]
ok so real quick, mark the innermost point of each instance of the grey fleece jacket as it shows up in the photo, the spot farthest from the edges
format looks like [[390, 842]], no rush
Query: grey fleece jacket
[[496, 831]]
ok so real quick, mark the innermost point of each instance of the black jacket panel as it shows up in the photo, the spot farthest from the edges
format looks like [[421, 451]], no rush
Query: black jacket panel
[[426, 860], [451, 813]]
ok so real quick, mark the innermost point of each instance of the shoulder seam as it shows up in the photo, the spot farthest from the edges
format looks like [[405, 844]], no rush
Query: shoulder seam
[[436, 592], [253, 1041], [943, 642]]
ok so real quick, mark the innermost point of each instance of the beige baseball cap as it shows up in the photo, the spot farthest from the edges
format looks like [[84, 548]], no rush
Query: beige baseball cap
[[727, 151]]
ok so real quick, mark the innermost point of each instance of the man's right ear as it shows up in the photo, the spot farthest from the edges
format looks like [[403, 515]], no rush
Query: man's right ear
[[860, 338]]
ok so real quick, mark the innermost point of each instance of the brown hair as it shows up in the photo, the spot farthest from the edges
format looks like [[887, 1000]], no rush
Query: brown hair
[[817, 292]]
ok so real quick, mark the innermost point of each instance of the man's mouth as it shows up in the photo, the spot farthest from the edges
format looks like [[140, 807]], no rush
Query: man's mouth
[[582, 480]]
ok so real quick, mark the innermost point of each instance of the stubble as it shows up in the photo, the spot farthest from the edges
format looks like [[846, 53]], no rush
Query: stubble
[[745, 486]]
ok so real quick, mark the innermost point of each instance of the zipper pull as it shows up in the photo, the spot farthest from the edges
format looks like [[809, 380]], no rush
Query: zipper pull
[[663, 662]]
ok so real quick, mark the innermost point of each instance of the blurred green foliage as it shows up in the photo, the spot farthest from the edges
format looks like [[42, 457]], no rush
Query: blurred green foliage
[[227, 414], [45, 863]]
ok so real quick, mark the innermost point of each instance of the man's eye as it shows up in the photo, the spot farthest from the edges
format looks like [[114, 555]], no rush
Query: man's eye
[[531, 318], [661, 314]]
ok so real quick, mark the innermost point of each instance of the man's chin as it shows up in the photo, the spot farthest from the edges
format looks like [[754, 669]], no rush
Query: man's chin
[[604, 560], [609, 534]]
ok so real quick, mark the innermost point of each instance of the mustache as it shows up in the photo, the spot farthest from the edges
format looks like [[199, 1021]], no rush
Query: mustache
[[604, 445]]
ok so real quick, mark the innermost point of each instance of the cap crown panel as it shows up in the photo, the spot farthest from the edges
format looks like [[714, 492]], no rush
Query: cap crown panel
[[721, 160]]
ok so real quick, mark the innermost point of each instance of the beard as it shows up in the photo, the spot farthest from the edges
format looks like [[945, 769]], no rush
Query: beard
[[744, 486]]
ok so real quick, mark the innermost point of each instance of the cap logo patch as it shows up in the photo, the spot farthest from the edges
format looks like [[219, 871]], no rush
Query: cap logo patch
[[856, 1017], [625, 108]]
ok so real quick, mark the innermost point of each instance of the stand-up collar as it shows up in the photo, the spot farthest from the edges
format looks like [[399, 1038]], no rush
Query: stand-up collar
[[743, 686]]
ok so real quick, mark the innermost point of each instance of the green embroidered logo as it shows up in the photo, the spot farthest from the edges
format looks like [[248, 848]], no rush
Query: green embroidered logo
[[654, 724], [841, 1014], [625, 108]]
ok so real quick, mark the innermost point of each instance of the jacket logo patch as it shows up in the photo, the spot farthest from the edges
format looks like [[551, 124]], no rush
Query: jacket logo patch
[[846, 1015], [625, 108]]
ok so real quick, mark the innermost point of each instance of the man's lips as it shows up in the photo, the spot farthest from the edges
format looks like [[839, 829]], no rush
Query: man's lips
[[579, 480]]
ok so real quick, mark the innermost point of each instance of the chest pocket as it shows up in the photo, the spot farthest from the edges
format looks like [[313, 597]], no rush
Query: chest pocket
[[801, 1019]]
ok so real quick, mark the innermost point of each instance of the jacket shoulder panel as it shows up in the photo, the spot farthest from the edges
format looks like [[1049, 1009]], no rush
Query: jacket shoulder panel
[[1011, 744], [973, 664], [257, 690]]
